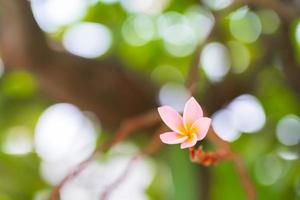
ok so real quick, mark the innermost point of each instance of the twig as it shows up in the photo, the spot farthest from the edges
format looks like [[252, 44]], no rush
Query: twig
[[152, 147], [224, 151], [244, 177], [120, 179], [225, 148], [126, 128]]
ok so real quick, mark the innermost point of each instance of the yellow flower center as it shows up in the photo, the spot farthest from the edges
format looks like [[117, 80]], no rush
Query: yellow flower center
[[189, 131]]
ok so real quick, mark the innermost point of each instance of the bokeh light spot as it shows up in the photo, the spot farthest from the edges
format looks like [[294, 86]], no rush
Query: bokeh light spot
[[88, 39], [52, 14], [224, 125], [215, 61], [288, 155], [1, 67], [268, 169], [270, 21], [177, 33], [75, 193], [245, 25], [248, 113], [63, 132], [166, 73], [98, 175], [138, 30], [54, 172], [18, 141], [297, 33], [42, 195], [201, 21], [288, 130], [152, 7], [175, 95], [217, 4], [240, 56], [106, 1]]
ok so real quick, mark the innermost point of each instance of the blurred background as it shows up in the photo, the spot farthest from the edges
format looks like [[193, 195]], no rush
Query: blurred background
[[71, 70]]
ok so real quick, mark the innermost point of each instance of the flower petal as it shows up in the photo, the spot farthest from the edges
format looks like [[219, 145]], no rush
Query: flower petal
[[171, 118], [189, 142], [172, 138], [192, 112], [201, 127]]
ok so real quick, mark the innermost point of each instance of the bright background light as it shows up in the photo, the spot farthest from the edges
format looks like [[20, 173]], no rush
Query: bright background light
[[248, 113], [288, 130], [63, 132], [144, 6], [87, 39], [240, 56], [174, 94], [18, 141], [182, 32], [178, 36], [217, 4], [215, 61], [201, 21], [94, 179], [297, 34], [288, 155], [64, 137], [1, 67], [139, 29], [270, 21], [53, 14], [166, 73], [224, 125], [244, 114], [245, 25], [268, 169]]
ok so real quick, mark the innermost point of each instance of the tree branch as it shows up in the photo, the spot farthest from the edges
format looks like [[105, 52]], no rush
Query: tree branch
[[153, 146], [127, 127]]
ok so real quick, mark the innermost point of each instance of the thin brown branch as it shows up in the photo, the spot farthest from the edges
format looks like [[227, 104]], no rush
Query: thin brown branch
[[121, 178], [227, 153], [126, 128], [155, 144], [244, 176], [224, 149], [129, 126], [151, 148], [223, 152]]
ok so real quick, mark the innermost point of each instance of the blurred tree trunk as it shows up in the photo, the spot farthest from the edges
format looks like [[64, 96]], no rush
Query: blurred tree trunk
[[101, 86]]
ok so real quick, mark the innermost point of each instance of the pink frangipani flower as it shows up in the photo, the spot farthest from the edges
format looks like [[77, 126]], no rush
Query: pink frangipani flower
[[186, 130]]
